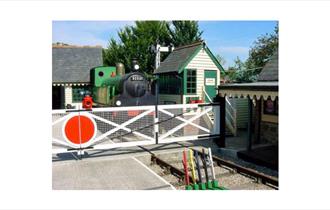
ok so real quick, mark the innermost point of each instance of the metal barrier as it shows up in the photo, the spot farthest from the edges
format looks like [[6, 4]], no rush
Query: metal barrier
[[106, 128], [184, 122]]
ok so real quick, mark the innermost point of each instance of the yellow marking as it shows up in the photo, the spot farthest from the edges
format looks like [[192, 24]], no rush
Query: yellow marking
[[192, 165]]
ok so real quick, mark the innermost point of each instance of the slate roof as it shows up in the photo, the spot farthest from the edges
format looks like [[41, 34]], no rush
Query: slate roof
[[72, 64], [270, 70], [176, 59]]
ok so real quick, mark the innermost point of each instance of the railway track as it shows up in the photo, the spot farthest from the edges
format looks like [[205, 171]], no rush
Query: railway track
[[229, 174]]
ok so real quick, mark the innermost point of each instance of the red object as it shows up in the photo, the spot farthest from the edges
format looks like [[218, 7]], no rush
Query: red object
[[133, 113], [87, 102], [82, 134], [113, 74], [196, 101], [185, 166]]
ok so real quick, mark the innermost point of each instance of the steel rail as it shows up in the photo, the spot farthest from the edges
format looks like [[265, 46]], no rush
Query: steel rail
[[162, 163], [263, 178], [174, 170]]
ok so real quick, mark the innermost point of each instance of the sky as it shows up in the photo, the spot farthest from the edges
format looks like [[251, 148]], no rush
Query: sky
[[229, 39]]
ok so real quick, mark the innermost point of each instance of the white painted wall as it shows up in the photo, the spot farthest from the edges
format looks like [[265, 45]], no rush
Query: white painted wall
[[68, 97], [201, 62], [242, 111]]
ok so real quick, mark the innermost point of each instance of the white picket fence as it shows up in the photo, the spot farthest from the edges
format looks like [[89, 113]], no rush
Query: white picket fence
[[106, 128]]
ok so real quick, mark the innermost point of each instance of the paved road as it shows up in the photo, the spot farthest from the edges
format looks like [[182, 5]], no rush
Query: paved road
[[114, 169], [106, 174]]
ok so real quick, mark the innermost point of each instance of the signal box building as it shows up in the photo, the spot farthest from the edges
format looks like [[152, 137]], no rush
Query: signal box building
[[71, 73], [189, 73]]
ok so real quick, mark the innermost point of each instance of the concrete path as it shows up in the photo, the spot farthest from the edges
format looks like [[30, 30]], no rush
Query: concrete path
[[106, 174]]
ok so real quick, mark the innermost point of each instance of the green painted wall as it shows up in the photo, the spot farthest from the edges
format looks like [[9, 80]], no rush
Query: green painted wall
[[99, 74], [170, 84]]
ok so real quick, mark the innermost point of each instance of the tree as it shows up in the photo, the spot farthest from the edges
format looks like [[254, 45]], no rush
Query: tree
[[184, 32], [221, 59], [135, 41], [240, 73], [263, 48]]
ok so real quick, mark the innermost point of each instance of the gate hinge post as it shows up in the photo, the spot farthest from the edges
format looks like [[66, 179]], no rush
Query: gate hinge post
[[156, 127]]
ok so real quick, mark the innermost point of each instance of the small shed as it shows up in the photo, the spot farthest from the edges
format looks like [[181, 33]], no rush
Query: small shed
[[190, 72], [71, 67]]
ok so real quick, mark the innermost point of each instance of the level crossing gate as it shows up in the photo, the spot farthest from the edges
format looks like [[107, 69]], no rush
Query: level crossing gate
[[113, 127]]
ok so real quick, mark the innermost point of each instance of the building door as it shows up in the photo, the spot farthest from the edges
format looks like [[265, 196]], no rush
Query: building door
[[210, 85], [58, 97]]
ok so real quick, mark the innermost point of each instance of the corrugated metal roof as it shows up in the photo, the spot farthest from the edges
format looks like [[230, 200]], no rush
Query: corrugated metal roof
[[176, 59], [73, 64], [270, 70]]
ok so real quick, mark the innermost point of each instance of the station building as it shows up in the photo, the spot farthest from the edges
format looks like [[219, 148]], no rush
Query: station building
[[71, 67], [261, 141], [190, 72]]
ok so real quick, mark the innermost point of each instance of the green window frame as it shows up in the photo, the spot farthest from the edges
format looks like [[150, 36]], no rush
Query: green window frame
[[170, 84], [191, 79], [76, 95]]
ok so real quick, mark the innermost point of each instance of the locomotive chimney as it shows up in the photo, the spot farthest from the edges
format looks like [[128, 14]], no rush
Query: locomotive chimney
[[120, 69], [135, 65]]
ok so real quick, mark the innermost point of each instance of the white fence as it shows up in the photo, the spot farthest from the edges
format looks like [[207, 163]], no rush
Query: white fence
[[106, 128]]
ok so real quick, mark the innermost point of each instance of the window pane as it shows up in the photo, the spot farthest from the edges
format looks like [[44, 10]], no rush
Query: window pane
[[79, 93], [191, 81]]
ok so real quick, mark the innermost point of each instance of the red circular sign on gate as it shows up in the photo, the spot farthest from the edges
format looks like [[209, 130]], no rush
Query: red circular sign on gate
[[79, 134]]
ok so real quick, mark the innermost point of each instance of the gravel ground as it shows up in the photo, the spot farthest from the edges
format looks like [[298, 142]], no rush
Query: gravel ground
[[173, 180], [227, 155], [226, 177]]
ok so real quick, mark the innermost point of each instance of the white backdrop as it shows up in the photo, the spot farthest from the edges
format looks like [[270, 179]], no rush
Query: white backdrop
[[25, 68]]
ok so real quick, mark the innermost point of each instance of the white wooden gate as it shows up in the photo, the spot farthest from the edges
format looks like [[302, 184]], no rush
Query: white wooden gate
[[106, 128]]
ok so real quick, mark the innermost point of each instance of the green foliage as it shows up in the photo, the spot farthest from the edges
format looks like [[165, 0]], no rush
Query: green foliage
[[221, 60], [135, 42], [263, 48], [184, 32], [261, 51], [239, 72]]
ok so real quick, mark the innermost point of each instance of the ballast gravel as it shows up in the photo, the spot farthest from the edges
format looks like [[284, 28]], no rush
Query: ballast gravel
[[226, 177]]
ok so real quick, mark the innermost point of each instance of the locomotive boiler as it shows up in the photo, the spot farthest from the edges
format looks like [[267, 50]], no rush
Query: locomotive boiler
[[112, 87]]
